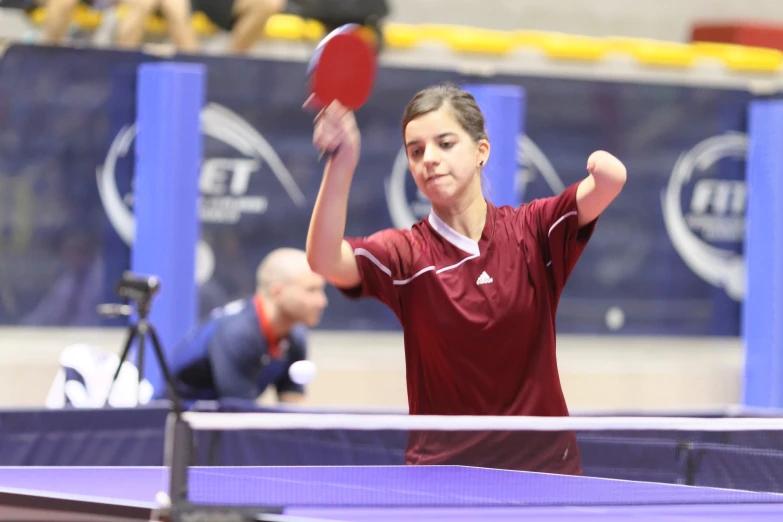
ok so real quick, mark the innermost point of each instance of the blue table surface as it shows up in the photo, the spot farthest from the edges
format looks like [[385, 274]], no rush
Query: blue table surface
[[376, 493]]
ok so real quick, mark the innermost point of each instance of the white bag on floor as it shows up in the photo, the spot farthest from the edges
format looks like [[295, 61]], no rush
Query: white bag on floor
[[84, 378]]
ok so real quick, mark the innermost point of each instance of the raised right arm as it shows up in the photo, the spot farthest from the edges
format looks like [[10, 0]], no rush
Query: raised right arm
[[328, 253]]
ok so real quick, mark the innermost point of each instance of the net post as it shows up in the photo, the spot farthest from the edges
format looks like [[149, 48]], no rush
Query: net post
[[177, 454]]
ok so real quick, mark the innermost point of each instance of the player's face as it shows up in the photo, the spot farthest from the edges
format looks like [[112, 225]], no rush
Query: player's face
[[303, 299], [442, 157]]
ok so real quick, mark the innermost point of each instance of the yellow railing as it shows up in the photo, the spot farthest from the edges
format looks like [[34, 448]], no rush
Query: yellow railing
[[461, 39]]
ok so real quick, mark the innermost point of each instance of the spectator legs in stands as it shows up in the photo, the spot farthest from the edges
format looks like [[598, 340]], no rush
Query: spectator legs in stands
[[177, 13], [250, 18], [58, 20]]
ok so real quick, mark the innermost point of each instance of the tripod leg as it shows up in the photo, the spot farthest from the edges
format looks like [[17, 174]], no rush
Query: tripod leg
[[140, 361], [129, 341], [165, 369]]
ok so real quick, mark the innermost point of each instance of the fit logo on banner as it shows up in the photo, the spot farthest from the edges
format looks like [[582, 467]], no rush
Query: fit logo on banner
[[705, 215]]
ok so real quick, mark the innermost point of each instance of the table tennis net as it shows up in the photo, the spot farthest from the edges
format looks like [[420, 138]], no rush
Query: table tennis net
[[359, 460]]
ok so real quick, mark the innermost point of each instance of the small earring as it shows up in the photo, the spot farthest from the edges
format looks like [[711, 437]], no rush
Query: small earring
[[481, 163]]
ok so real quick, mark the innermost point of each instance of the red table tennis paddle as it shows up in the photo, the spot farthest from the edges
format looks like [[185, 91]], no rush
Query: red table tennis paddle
[[342, 67]]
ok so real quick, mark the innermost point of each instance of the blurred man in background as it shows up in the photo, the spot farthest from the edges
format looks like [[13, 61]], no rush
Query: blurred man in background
[[249, 345]]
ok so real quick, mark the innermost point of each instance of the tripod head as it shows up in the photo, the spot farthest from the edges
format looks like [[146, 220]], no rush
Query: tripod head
[[139, 288]]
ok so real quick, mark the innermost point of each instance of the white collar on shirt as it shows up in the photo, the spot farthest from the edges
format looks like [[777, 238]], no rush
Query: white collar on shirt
[[452, 236]]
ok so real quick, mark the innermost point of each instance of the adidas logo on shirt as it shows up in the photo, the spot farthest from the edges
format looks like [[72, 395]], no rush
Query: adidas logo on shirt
[[483, 279]]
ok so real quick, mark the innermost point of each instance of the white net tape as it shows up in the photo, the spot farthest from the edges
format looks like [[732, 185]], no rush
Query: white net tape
[[328, 421]]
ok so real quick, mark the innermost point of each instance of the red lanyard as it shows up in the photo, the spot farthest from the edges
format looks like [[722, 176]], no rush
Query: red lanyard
[[266, 328]]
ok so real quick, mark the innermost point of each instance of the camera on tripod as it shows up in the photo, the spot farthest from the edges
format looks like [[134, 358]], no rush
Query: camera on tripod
[[134, 287], [138, 287]]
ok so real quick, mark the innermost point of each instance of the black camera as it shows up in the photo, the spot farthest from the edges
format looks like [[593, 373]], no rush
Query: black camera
[[138, 287]]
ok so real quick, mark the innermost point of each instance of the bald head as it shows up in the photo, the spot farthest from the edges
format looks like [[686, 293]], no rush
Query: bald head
[[294, 293], [281, 266]]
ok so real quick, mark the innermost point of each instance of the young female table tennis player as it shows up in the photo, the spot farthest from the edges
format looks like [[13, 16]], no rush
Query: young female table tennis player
[[474, 286]]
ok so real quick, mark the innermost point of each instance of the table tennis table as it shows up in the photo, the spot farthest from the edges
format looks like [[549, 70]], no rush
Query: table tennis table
[[371, 494]]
